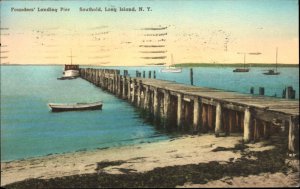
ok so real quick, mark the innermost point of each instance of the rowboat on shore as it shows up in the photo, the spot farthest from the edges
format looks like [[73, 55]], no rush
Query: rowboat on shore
[[59, 107]]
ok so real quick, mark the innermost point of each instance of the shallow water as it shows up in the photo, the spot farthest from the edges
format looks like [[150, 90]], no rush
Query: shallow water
[[30, 129]]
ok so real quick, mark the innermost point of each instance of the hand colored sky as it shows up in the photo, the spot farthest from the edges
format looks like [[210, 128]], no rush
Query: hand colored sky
[[202, 31]]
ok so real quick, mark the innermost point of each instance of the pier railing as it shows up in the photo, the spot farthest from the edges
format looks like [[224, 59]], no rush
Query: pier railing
[[200, 109]]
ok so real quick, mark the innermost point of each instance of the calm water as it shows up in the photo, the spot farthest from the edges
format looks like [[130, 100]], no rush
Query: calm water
[[29, 129], [224, 78]]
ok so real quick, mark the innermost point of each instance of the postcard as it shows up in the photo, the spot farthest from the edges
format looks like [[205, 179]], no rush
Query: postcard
[[149, 93]]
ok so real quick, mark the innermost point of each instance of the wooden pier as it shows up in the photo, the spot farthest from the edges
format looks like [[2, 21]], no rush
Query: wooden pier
[[200, 109]]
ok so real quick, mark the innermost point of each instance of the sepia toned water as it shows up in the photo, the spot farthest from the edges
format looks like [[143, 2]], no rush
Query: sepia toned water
[[30, 129]]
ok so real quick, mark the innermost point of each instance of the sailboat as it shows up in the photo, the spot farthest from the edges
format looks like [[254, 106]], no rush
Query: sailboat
[[242, 69], [171, 68], [272, 71]]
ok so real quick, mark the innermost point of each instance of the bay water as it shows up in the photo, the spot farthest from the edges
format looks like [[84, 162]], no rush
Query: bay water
[[30, 129]]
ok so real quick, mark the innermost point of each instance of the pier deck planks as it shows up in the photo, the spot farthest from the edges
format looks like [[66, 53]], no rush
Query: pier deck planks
[[290, 107]]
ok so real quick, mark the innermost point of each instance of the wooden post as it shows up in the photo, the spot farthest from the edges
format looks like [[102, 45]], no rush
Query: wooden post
[[204, 117], [123, 87], [210, 117], [166, 103], [155, 103], [149, 76], [261, 91], [232, 126], [290, 93], [139, 93], [96, 77], [292, 145], [191, 76], [247, 125], [166, 107], [179, 110], [154, 74], [143, 74], [218, 119], [146, 98], [99, 77], [252, 90], [133, 90], [129, 89], [196, 114], [119, 85], [258, 128]]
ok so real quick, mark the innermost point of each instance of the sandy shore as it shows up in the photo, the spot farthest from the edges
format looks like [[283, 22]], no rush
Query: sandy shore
[[146, 157]]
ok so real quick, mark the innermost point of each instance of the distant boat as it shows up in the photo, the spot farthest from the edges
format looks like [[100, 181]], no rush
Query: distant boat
[[71, 70], [272, 71], [242, 69], [59, 107], [171, 68]]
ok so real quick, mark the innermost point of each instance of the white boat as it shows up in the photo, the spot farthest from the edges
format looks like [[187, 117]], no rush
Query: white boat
[[171, 68], [59, 107], [71, 70]]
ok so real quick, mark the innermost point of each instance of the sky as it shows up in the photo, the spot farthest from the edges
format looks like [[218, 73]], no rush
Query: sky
[[193, 31]]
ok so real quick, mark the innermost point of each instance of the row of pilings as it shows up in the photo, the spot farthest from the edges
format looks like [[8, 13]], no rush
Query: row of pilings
[[174, 110]]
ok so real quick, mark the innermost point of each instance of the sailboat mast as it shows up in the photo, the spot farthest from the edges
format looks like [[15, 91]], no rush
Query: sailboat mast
[[276, 57], [71, 56], [244, 59], [172, 60]]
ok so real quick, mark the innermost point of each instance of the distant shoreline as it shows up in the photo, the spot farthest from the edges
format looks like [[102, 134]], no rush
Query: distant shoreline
[[178, 65], [234, 65]]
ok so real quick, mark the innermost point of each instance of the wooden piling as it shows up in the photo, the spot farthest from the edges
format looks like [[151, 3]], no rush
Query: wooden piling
[[218, 119], [196, 118], [146, 98], [149, 75], [210, 115], [129, 89], [155, 103], [293, 133], [232, 125], [166, 104], [179, 110], [256, 134], [290, 93], [185, 106], [123, 87], [247, 125], [252, 90], [191, 76], [261, 91], [133, 87], [154, 74], [204, 124], [139, 86]]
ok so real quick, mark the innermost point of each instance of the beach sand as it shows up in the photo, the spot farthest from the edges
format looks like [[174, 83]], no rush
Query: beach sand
[[146, 157]]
